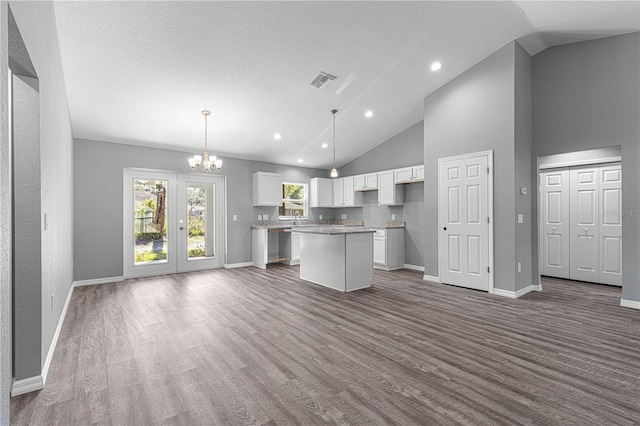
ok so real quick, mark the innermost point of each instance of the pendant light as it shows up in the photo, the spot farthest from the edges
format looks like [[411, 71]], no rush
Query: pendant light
[[334, 171], [210, 164]]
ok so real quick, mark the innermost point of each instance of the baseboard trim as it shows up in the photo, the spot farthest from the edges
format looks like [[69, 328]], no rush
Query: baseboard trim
[[237, 265], [517, 294], [106, 280], [30, 384], [56, 335], [431, 278], [633, 304], [414, 267]]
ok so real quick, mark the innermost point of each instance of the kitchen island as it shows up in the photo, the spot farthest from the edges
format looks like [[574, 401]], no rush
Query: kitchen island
[[336, 257]]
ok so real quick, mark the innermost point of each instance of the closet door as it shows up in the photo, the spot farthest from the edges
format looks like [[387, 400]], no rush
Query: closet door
[[610, 224], [584, 223], [555, 223]]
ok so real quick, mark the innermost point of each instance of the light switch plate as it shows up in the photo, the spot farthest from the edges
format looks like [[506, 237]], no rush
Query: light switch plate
[[259, 217], [265, 217], [393, 216], [344, 216], [519, 266], [520, 218], [235, 218], [320, 217]]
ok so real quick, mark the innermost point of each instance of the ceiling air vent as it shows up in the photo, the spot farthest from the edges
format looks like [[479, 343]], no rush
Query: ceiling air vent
[[323, 80]]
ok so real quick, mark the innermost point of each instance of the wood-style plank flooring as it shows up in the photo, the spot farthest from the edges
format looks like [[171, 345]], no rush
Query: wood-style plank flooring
[[247, 346]]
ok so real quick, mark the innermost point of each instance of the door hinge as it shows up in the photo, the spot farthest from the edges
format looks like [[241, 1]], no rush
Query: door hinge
[[488, 219], [488, 170], [488, 269]]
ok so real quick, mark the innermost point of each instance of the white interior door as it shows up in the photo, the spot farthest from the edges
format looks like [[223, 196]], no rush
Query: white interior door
[[200, 222], [610, 224], [149, 223], [463, 217], [584, 223], [555, 223]]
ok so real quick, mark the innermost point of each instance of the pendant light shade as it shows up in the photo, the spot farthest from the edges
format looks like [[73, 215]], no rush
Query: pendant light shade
[[206, 163], [334, 171]]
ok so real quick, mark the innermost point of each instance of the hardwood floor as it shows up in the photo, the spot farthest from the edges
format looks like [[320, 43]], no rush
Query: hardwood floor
[[247, 346]]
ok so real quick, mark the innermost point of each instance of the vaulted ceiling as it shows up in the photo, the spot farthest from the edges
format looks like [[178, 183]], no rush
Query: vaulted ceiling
[[140, 72]]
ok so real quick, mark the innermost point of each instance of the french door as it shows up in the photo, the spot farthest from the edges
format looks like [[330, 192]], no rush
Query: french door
[[172, 222], [465, 200]]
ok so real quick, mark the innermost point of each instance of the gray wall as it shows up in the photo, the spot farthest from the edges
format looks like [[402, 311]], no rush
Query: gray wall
[[5, 222], [585, 96], [404, 149], [27, 244], [477, 112], [98, 201], [37, 26]]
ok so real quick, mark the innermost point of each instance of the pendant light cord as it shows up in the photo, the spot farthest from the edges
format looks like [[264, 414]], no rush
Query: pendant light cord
[[333, 111]]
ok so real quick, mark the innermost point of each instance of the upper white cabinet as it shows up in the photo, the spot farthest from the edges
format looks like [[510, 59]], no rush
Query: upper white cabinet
[[389, 194], [409, 174], [267, 189], [344, 194], [320, 192], [366, 182]]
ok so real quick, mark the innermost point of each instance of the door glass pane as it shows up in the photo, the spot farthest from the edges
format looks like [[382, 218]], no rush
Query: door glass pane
[[150, 221], [200, 220]]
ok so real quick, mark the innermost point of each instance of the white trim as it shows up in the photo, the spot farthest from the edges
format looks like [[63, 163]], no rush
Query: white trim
[[237, 265], [633, 304], [414, 267], [56, 335], [580, 163], [106, 280], [489, 155], [31, 384], [431, 278], [516, 294]]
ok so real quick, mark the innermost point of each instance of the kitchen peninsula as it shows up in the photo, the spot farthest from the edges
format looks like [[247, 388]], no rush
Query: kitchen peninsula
[[336, 257]]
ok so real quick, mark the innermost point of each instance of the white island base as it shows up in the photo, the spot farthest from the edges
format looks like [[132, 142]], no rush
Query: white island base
[[342, 261]]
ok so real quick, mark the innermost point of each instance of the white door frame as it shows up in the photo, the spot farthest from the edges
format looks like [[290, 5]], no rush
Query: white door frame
[[489, 155]]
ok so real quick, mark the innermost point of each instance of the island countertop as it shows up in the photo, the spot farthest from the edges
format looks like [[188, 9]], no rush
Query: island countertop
[[330, 230]]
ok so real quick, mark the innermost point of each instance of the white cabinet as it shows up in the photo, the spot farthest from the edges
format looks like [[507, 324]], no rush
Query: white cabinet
[[274, 246], [388, 249], [338, 192], [344, 193], [409, 174], [267, 189], [389, 194], [366, 182], [320, 192]]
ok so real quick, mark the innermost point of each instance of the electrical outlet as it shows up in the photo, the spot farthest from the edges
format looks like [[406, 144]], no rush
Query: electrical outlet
[[265, 217], [519, 266], [344, 216], [520, 218], [320, 217], [259, 217], [235, 218], [393, 216]]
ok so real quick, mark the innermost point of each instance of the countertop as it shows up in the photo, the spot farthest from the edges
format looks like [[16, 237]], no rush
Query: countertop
[[330, 230], [390, 225], [268, 224]]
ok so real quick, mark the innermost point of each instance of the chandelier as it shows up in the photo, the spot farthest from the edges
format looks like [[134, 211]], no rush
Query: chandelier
[[334, 171], [205, 163]]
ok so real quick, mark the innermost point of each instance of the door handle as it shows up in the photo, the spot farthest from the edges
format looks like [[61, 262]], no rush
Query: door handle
[[182, 227], [445, 228]]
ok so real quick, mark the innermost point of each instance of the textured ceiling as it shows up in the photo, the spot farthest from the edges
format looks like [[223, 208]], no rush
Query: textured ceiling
[[141, 72]]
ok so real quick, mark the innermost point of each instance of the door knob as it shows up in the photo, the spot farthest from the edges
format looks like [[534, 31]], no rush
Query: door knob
[[445, 228], [182, 227]]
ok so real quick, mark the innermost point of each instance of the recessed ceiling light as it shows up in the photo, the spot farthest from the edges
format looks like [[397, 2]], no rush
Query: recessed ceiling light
[[436, 66], [300, 160], [368, 114], [277, 136], [325, 145]]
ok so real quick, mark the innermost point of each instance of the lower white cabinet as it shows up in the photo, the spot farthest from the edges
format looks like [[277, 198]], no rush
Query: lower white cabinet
[[290, 248], [388, 249], [274, 246]]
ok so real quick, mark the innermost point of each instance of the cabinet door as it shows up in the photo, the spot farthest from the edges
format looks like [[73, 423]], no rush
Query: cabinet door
[[380, 250], [295, 247], [359, 183], [338, 192], [389, 194], [320, 192], [349, 191], [371, 181], [404, 175], [267, 189], [418, 173]]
